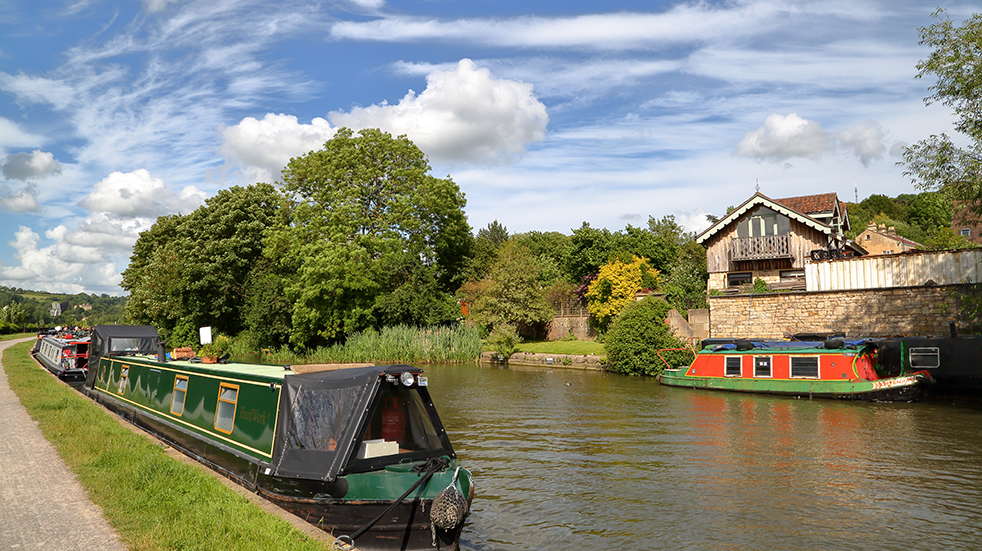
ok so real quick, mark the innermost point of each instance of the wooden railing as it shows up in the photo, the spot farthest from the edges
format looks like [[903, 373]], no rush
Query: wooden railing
[[758, 248]]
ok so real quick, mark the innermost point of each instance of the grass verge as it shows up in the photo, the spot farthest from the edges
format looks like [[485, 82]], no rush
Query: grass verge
[[562, 347], [153, 501]]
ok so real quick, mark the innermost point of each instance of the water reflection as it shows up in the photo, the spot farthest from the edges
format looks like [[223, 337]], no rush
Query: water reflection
[[572, 459]]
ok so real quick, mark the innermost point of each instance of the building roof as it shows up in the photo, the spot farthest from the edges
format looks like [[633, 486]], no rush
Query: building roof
[[777, 205], [823, 203]]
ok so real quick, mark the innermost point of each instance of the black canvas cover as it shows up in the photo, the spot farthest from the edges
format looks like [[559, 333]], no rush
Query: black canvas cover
[[123, 339], [320, 413]]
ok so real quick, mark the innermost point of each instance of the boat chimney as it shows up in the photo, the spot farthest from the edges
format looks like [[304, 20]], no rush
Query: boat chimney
[[953, 329], [161, 352]]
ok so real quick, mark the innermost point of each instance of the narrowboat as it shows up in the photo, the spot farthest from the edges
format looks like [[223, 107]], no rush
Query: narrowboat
[[836, 368], [955, 362], [64, 355], [357, 451]]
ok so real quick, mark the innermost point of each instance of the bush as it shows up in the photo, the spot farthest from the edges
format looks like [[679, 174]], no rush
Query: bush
[[636, 335], [504, 339]]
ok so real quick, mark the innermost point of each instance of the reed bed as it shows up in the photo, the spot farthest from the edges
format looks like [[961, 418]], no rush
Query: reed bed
[[398, 344]]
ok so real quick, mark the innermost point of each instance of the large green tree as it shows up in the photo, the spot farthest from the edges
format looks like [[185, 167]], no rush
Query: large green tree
[[369, 226], [512, 294], [192, 271]]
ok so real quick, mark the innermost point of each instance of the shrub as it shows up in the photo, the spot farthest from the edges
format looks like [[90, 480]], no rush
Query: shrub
[[760, 286], [504, 339], [636, 335]]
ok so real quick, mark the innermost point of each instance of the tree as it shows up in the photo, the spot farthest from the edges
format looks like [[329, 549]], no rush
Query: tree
[[616, 286], [367, 219], [512, 294], [590, 249], [192, 271], [936, 163], [495, 233], [636, 335], [930, 211]]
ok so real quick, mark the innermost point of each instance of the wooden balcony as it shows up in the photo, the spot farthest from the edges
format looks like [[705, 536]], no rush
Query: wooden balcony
[[762, 248]]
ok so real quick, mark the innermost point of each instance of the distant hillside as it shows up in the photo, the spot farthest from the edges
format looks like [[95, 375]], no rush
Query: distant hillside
[[28, 310]]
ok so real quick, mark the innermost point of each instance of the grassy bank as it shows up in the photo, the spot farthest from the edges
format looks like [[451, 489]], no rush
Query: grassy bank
[[153, 501], [562, 347]]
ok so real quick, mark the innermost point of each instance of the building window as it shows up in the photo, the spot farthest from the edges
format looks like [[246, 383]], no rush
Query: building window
[[123, 376], [868, 236], [737, 279], [733, 366], [228, 396], [804, 368], [180, 393], [788, 276], [966, 232], [888, 252], [762, 366]]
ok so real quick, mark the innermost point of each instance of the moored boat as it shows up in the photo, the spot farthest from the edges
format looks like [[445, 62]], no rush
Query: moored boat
[[65, 355], [836, 368], [358, 451]]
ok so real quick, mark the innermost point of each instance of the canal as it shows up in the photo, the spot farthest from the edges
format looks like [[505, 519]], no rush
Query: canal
[[570, 459]]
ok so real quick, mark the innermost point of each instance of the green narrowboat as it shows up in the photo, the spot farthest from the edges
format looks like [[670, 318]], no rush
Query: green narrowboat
[[358, 451], [836, 368]]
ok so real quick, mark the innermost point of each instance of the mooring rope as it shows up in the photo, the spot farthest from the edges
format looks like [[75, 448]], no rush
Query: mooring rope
[[433, 465]]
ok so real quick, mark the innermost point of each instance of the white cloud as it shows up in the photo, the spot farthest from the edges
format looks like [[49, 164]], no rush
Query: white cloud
[[11, 134], [264, 147], [781, 138], [58, 268], [865, 140], [785, 137], [138, 194], [154, 6], [30, 166], [464, 114], [24, 199]]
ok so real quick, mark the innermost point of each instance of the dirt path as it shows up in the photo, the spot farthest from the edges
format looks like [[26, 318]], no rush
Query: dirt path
[[42, 505]]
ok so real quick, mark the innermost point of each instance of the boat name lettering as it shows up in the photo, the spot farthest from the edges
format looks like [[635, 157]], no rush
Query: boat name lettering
[[253, 415], [898, 381]]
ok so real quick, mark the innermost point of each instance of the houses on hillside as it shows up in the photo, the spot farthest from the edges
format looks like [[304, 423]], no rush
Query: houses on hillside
[[884, 240]]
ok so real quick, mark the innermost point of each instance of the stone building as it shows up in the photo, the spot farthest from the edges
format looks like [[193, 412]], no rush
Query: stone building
[[884, 240]]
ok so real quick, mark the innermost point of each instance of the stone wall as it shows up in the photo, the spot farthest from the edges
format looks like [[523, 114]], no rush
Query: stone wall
[[579, 326], [578, 361], [924, 310]]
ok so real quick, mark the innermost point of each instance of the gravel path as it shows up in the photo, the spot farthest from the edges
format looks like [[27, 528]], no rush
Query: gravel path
[[42, 505]]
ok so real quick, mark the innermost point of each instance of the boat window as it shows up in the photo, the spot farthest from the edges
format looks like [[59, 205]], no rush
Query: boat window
[[762, 366], [123, 376], [319, 417], [804, 367], [124, 345], [180, 393], [924, 358], [733, 366], [400, 424], [228, 396]]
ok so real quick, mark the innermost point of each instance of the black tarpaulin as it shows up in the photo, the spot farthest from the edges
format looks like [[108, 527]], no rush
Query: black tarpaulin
[[123, 339], [320, 415]]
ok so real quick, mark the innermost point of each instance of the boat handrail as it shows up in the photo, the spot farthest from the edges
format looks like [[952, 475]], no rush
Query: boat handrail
[[660, 350]]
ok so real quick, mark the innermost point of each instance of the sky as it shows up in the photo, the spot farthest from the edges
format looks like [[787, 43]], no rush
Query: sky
[[546, 114]]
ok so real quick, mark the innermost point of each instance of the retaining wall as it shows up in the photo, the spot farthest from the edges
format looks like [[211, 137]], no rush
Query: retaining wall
[[922, 310], [551, 360]]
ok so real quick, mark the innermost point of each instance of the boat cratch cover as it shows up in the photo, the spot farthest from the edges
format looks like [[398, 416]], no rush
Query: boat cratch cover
[[325, 417], [111, 340]]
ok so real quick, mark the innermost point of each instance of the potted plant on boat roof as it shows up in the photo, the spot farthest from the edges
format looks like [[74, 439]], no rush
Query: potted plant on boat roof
[[218, 348]]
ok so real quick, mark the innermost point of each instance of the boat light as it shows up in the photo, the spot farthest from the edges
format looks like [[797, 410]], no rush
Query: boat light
[[407, 378], [389, 377], [422, 380]]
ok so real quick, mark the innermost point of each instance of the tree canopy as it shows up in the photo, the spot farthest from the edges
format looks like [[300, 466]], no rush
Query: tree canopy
[[936, 162], [369, 228]]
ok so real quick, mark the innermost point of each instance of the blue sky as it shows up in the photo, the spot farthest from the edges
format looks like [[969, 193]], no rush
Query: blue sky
[[546, 114]]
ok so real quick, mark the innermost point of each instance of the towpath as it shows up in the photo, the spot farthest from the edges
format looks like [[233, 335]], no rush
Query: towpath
[[42, 505]]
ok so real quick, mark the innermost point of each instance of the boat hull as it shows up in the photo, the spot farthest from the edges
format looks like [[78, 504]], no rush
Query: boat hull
[[908, 388]]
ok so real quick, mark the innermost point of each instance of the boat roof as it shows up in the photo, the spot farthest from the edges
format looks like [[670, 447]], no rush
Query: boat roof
[[750, 346]]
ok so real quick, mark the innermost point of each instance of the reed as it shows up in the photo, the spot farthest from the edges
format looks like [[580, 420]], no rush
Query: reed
[[397, 344]]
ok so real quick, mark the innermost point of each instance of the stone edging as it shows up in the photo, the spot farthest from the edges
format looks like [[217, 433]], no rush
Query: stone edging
[[572, 361]]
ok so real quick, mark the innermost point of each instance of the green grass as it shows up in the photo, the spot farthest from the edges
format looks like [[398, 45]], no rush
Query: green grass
[[153, 501], [562, 347]]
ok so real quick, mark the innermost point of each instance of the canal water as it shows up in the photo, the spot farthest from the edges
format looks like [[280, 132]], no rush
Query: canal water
[[568, 459]]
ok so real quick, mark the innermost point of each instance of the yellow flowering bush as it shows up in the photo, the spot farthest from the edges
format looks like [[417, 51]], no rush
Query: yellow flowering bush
[[616, 285]]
